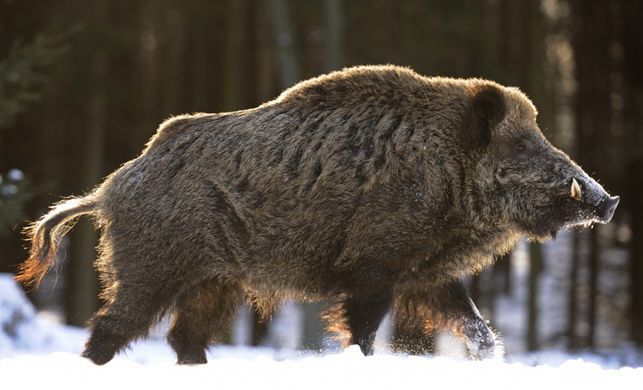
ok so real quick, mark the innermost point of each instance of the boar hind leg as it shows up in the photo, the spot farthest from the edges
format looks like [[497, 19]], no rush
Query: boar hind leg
[[200, 315], [128, 315]]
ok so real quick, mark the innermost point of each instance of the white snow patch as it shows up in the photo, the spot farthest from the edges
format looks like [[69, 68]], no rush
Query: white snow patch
[[22, 329], [28, 360], [246, 368]]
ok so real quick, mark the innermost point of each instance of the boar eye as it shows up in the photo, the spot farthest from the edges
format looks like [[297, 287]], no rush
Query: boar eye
[[521, 146]]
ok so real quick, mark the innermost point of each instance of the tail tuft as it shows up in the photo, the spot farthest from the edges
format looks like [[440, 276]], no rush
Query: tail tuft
[[45, 235]]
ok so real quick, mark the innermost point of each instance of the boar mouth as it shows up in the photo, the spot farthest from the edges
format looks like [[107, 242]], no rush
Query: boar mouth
[[582, 204], [601, 212], [593, 204]]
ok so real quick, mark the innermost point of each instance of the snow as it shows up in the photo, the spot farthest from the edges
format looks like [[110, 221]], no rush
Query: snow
[[36, 352], [22, 329], [244, 368]]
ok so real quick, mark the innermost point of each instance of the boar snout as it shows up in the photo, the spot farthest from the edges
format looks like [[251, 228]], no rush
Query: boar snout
[[607, 207], [591, 195]]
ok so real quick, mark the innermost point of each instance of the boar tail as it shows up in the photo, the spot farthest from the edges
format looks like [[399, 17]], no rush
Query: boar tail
[[45, 235]]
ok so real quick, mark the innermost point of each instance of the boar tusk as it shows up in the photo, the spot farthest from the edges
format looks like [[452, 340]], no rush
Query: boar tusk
[[575, 192]]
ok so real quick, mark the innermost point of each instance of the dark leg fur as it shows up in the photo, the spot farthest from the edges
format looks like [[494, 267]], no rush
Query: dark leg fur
[[103, 345], [429, 310], [364, 313], [357, 316], [127, 317], [200, 315]]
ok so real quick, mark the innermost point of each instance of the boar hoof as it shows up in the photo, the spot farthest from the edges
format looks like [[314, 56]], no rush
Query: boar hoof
[[483, 350], [102, 346], [97, 356], [192, 359], [481, 344]]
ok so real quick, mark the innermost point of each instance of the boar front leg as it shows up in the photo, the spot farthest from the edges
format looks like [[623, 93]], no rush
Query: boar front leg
[[364, 313], [427, 310], [479, 339], [356, 317]]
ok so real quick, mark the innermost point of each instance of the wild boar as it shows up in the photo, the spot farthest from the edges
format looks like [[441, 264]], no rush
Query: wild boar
[[365, 186]]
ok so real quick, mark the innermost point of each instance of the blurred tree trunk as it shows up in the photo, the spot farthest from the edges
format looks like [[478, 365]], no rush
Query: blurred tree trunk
[[198, 67], [635, 190], [82, 276], [631, 33], [241, 65], [535, 269], [474, 289], [594, 269], [591, 42], [492, 295], [149, 60], [173, 40], [284, 41], [235, 54], [334, 34], [572, 302], [502, 271], [259, 329]]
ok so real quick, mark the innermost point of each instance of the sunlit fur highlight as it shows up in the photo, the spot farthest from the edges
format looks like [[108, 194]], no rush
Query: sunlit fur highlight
[[44, 237]]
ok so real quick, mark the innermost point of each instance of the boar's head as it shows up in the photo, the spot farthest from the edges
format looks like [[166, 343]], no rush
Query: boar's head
[[525, 181]]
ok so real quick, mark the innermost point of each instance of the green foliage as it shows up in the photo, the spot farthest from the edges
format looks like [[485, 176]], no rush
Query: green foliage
[[23, 73], [14, 193]]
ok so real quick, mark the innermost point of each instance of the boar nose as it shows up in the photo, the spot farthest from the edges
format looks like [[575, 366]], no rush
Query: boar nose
[[607, 207]]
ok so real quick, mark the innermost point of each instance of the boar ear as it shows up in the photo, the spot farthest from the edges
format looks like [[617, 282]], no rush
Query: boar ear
[[487, 109]]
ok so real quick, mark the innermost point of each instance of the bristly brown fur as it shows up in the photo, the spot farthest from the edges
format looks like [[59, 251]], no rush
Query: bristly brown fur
[[44, 236], [335, 318], [373, 184]]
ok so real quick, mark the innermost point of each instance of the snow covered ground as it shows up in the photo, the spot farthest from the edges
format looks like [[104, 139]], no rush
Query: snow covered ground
[[36, 352], [243, 368]]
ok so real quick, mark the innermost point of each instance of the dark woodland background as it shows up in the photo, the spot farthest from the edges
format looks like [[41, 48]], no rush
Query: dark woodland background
[[83, 85]]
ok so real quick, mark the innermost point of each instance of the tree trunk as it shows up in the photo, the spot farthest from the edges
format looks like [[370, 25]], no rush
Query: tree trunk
[[334, 34], [636, 251], [285, 43], [83, 278], [474, 289], [591, 43], [234, 56], [502, 271], [594, 269], [535, 269], [632, 30], [173, 51], [572, 303]]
